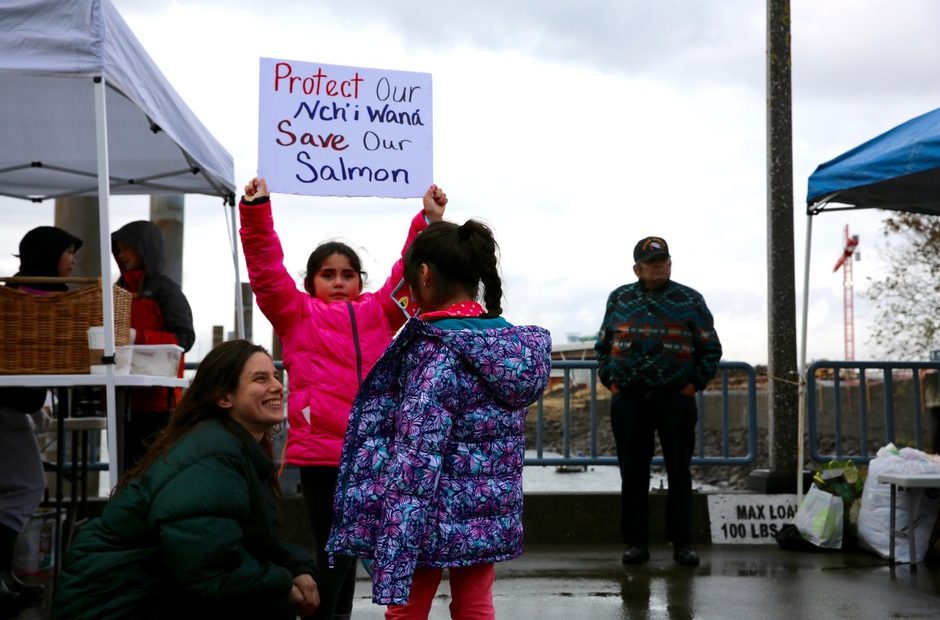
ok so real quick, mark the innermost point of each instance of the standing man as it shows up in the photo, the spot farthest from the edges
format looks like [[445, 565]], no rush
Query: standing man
[[656, 348]]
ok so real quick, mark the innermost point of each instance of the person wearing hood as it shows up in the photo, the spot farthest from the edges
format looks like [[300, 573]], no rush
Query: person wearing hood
[[431, 469], [160, 314], [45, 251]]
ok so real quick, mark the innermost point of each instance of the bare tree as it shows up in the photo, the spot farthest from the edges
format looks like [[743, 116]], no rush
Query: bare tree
[[907, 297]]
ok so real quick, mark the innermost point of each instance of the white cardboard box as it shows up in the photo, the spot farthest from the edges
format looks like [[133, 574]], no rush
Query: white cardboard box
[[159, 360]]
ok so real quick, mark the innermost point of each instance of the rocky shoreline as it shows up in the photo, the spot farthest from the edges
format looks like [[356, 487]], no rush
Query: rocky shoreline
[[721, 476]]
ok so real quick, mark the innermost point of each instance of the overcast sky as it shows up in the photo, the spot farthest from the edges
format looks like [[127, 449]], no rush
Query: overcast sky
[[573, 129]]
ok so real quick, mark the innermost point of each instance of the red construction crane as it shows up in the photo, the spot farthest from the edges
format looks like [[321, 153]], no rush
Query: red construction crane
[[848, 291]]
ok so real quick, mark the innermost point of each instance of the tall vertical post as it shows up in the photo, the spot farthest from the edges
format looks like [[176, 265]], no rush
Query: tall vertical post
[[239, 302], [218, 335], [848, 295], [167, 213], [245, 313], [781, 288], [107, 295], [79, 216], [277, 351]]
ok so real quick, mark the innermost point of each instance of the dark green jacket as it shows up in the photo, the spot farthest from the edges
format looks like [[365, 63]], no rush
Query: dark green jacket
[[200, 522]]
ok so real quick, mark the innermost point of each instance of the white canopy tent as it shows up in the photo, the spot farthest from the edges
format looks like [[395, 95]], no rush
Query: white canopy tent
[[86, 112]]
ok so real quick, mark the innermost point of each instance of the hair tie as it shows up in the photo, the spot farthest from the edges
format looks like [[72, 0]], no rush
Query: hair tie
[[463, 232]]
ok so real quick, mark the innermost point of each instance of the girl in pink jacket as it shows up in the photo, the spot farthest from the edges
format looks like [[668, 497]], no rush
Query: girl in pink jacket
[[331, 335]]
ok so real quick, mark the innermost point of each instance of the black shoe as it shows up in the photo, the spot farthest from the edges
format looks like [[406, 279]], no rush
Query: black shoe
[[25, 590], [685, 555], [635, 555]]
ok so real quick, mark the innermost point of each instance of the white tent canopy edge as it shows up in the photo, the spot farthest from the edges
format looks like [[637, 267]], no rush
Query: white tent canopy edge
[[65, 68]]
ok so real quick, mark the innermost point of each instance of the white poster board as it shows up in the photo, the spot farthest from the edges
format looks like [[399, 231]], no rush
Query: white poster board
[[330, 130]]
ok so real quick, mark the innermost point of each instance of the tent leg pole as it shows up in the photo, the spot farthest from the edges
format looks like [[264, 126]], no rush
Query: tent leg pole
[[802, 378], [107, 295], [239, 302]]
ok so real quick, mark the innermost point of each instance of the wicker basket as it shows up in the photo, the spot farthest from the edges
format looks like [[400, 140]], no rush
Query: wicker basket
[[48, 334]]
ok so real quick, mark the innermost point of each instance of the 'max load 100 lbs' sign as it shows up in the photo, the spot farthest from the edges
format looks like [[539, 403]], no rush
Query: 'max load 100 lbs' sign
[[749, 519]]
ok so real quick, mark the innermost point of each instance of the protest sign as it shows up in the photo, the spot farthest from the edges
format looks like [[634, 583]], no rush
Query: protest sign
[[330, 130]]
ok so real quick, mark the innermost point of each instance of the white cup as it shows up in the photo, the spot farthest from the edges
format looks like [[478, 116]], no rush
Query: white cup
[[96, 337]]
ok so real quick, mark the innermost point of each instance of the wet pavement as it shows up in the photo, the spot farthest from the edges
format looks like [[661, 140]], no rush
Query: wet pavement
[[733, 582], [558, 579]]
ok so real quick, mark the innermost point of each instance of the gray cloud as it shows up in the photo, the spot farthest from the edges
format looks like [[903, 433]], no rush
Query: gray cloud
[[859, 66], [876, 48], [628, 36], [841, 50]]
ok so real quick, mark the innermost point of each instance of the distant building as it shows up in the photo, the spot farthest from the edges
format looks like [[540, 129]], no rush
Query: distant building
[[581, 349]]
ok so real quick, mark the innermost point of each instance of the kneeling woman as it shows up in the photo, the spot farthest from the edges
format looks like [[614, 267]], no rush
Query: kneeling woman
[[190, 531]]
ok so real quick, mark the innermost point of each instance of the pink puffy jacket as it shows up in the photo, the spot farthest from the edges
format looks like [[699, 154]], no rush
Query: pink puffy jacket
[[328, 348]]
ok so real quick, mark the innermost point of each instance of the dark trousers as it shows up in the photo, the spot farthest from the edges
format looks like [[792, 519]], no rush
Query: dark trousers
[[636, 417], [337, 585], [934, 412]]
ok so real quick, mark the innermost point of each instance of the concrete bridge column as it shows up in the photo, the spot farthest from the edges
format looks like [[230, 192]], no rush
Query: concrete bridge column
[[79, 216]]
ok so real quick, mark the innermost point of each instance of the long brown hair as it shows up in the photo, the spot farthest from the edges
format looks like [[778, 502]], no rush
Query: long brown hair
[[218, 376]]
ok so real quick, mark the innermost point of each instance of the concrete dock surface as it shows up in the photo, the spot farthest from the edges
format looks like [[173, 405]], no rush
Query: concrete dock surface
[[571, 568], [744, 582]]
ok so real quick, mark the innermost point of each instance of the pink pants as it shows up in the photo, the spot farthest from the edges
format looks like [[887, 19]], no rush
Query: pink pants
[[471, 591]]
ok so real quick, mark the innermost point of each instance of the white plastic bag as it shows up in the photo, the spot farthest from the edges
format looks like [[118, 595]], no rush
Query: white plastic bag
[[874, 517], [819, 519]]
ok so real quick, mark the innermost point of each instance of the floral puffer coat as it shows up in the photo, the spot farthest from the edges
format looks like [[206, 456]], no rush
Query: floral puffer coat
[[431, 472]]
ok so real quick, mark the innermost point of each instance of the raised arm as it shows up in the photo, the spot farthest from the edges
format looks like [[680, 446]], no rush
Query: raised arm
[[275, 290], [434, 202], [395, 289]]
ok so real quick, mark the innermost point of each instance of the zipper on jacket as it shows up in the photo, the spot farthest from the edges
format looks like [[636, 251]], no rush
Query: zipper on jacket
[[342, 479], [339, 492], [355, 334]]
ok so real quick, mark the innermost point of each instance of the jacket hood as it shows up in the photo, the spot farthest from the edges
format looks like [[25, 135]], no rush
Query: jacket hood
[[146, 239], [40, 251], [514, 361]]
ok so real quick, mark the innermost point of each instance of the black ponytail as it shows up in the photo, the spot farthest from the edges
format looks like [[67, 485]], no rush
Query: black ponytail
[[458, 256]]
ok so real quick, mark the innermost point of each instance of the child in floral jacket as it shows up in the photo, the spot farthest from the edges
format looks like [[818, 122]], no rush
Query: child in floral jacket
[[431, 471]]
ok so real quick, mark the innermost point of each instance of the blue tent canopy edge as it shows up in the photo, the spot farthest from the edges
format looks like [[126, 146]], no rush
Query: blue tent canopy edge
[[898, 170]]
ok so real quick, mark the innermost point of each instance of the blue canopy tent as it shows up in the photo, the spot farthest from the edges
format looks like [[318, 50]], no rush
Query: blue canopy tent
[[898, 170]]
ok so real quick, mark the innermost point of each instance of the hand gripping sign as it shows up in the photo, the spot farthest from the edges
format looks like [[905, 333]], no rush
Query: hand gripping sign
[[330, 130]]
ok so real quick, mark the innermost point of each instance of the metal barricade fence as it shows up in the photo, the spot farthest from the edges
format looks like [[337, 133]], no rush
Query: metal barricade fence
[[707, 414], [711, 416], [842, 398]]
